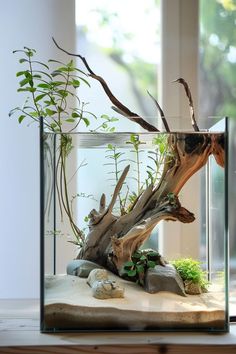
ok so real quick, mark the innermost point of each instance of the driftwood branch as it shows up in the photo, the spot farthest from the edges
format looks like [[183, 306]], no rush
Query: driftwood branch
[[120, 106], [123, 247], [188, 93], [218, 149], [161, 112]]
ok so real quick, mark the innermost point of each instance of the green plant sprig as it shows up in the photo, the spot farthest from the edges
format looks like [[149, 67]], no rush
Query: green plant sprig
[[140, 262], [48, 92], [105, 125], [159, 157], [81, 195], [135, 142]]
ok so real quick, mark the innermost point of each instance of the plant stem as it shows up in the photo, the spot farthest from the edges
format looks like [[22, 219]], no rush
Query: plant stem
[[65, 198], [138, 169], [117, 178], [32, 85]]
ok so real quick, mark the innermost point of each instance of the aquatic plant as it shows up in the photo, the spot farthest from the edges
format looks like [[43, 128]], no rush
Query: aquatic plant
[[190, 269], [154, 161], [135, 142], [141, 261]]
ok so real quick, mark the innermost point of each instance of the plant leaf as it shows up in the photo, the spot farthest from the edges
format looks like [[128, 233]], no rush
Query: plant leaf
[[50, 112], [151, 264], [22, 60], [128, 264], [39, 97], [86, 121], [75, 115], [132, 273], [21, 117]]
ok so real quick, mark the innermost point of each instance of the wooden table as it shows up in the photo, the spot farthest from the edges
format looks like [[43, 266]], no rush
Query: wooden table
[[19, 333]]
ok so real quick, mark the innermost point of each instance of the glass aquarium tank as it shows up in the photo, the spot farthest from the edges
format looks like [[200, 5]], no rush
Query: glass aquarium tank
[[134, 230]]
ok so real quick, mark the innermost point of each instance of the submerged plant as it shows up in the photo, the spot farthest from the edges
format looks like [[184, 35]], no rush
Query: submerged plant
[[190, 270], [152, 159], [141, 261], [135, 142]]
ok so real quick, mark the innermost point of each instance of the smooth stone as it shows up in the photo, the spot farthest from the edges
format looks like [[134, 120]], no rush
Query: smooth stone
[[81, 267], [192, 288], [97, 275], [107, 289], [164, 279]]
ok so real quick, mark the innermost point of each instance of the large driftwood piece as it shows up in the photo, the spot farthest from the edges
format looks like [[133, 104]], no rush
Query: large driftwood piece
[[112, 239]]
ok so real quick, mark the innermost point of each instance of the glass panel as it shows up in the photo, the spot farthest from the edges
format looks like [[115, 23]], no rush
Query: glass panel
[[217, 82], [217, 245], [232, 219], [105, 195], [49, 203]]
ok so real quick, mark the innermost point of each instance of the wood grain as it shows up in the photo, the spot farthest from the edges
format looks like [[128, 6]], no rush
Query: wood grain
[[124, 349]]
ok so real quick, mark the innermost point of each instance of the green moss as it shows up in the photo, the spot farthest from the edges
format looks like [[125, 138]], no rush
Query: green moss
[[190, 269]]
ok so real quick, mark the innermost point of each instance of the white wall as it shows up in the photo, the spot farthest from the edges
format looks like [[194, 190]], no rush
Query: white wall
[[24, 23]]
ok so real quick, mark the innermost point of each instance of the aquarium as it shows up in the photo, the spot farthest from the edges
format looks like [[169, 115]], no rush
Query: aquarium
[[134, 230]]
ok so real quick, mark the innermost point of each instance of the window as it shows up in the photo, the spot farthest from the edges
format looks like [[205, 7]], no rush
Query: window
[[217, 82], [122, 44]]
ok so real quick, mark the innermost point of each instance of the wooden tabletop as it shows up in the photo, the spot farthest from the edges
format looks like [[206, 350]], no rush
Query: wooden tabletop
[[19, 333]]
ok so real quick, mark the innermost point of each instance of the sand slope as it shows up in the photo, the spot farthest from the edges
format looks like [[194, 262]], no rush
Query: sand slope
[[69, 305]]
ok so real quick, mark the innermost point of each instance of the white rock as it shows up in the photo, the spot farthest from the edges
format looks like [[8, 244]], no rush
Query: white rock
[[97, 275], [107, 289]]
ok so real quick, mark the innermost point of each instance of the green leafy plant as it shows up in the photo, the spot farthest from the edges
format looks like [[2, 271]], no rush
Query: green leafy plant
[[104, 126], [158, 157], [190, 270], [141, 261], [135, 142], [48, 89]]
